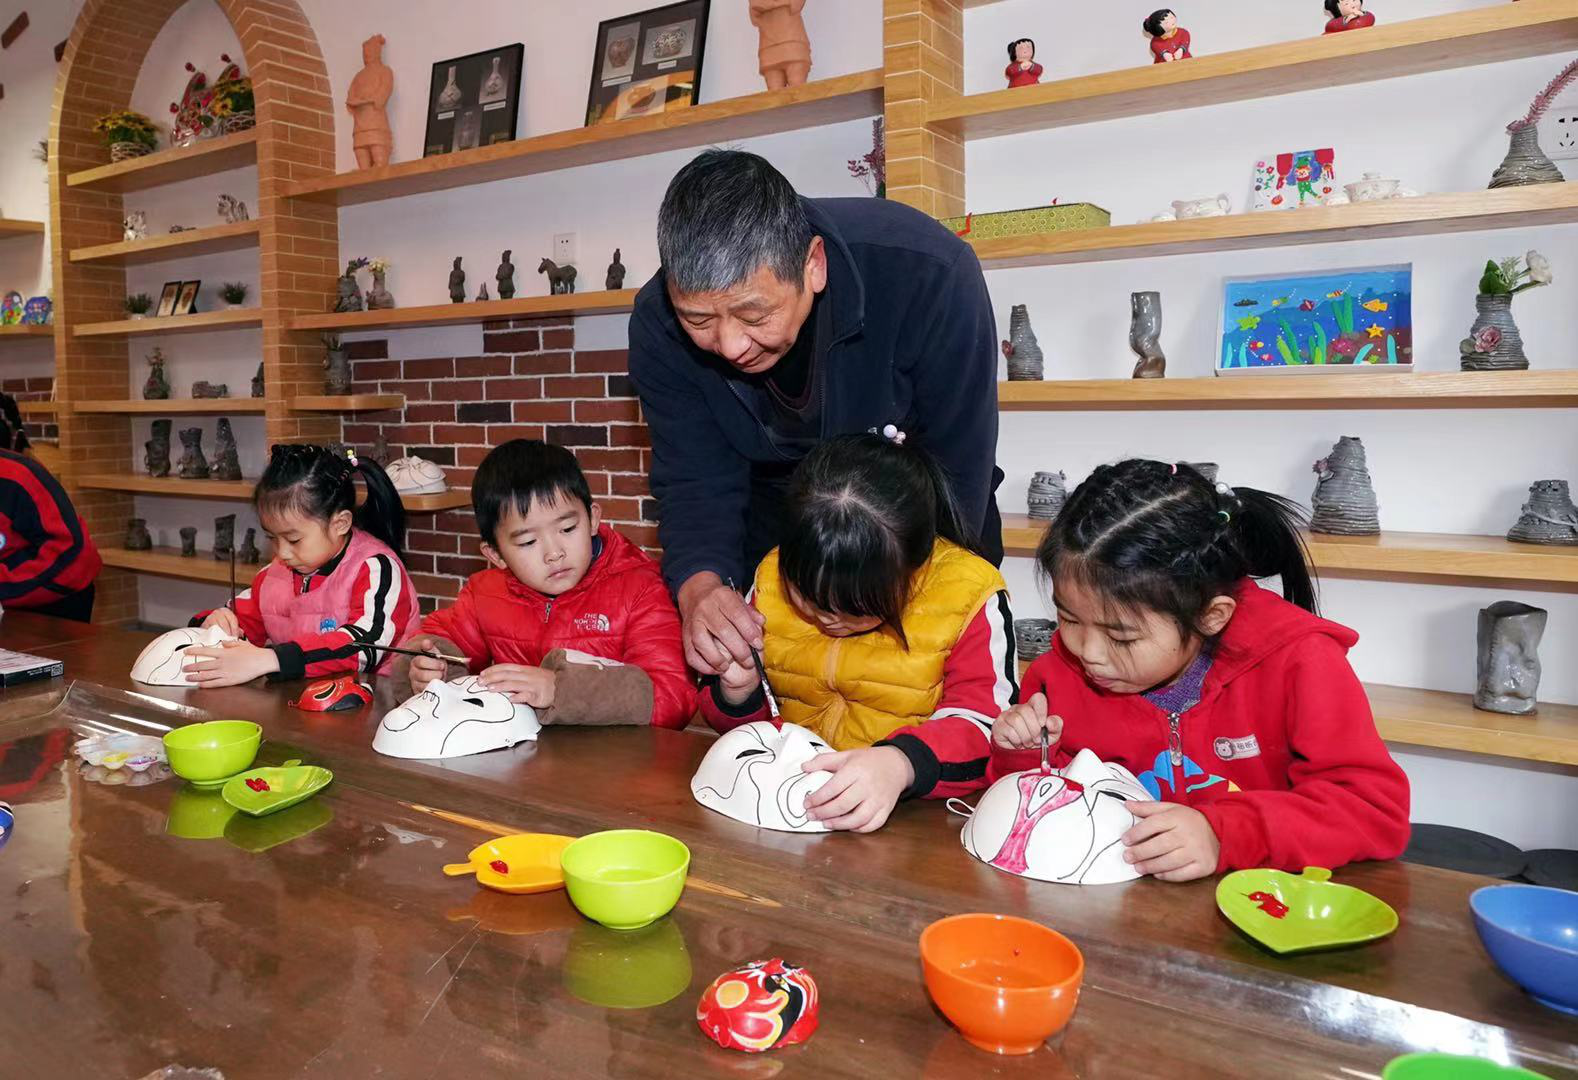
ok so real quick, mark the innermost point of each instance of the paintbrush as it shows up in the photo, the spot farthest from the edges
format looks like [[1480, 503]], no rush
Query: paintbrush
[[461, 660], [761, 673]]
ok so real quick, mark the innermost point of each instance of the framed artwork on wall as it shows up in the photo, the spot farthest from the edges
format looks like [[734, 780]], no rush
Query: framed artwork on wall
[[1329, 320], [647, 63], [474, 100], [167, 299], [186, 303], [1294, 179]]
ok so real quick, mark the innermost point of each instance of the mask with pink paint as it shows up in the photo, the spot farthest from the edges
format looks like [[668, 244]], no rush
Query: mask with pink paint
[[1065, 825]]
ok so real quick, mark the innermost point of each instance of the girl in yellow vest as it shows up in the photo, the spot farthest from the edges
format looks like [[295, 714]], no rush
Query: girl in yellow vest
[[885, 633]]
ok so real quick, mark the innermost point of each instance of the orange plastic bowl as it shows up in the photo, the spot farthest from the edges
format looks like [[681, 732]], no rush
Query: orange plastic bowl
[[1007, 984]]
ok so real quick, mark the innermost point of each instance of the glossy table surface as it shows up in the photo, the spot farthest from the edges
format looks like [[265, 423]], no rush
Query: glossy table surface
[[326, 942]]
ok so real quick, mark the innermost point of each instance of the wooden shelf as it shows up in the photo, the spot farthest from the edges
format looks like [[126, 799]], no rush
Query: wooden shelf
[[203, 158], [1295, 390], [142, 484], [826, 101], [22, 330], [348, 403], [587, 303], [1481, 36], [1506, 208], [10, 227], [1441, 557], [453, 499], [169, 562], [243, 234], [184, 406], [174, 324], [38, 408]]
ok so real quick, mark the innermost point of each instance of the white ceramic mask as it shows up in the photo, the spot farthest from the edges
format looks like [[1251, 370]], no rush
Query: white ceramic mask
[[752, 774], [453, 719], [161, 662], [416, 476], [1066, 825]]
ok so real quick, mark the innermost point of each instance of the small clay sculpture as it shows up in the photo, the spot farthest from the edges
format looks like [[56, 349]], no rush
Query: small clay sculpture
[[379, 451], [156, 387], [561, 279], [1021, 348], [457, 283], [348, 291], [134, 226], [1169, 41], [189, 541], [616, 274], [137, 538], [193, 465], [783, 54], [248, 552], [1508, 657], [482, 293], [1548, 517], [157, 449], [1033, 637], [227, 465], [1347, 15], [505, 276], [1022, 69], [1145, 334], [202, 388], [336, 366], [367, 100], [379, 298], [257, 382], [1344, 502], [233, 210], [224, 537], [1048, 493]]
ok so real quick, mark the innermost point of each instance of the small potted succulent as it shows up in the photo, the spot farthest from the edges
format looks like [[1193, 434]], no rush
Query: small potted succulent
[[138, 305], [233, 293], [1494, 343], [128, 134]]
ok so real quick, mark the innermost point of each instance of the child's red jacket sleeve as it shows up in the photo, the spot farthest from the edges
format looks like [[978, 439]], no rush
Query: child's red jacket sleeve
[[460, 624], [1348, 799], [653, 643]]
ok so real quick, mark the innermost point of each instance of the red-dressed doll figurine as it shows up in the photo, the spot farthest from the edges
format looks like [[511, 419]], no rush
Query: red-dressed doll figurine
[[1022, 68], [1347, 15], [1169, 41]]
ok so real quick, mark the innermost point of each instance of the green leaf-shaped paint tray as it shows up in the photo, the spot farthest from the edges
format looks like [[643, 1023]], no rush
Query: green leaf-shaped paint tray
[[1290, 913], [288, 785]]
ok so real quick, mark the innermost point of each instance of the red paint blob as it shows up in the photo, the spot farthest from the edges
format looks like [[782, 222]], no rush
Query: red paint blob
[[257, 783], [1269, 904], [499, 866]]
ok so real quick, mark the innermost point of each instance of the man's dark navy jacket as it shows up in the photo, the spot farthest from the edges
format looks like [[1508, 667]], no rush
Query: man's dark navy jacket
[[912, 342]]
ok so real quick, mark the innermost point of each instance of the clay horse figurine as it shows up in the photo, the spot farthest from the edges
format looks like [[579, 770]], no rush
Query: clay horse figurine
[[561, 279], [193, 465], [457, 283], [505, 276]]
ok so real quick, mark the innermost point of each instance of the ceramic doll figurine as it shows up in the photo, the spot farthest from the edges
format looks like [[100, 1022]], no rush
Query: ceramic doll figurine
[[784, 52], [367, 101], [457, 283], [1022, 68], [1347, 15], [1169, 41], [505, 276]]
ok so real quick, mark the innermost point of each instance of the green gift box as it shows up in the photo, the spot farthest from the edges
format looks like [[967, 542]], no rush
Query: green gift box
[[1029, 222]]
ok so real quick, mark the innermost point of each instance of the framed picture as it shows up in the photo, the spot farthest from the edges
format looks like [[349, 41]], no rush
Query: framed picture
[[1351, 320], [474, 100], [186, 303], [1293, 179], [167, 298], [647, 63]]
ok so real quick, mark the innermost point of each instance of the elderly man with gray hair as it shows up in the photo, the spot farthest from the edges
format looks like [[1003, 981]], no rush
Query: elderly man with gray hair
[[777, 321]]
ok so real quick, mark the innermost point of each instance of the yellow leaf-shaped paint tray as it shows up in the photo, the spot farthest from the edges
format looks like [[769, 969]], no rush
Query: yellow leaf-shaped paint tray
[[529, 861]]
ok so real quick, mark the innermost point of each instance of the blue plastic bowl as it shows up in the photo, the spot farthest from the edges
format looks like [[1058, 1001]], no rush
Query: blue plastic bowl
[[1532, 934]]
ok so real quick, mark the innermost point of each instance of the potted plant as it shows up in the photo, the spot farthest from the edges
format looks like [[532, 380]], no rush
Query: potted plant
[[1494, 343], [128, 134], [138, 305], [233, 293], [235, 105]]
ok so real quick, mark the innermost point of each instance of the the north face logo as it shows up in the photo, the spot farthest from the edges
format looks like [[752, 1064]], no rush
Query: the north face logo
[[592, 624]]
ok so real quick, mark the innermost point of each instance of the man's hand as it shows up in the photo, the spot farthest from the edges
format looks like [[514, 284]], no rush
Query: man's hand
[[225, 619], [1020, 727], [719, 626], [524, 684], [229, 664], [1171, 842], [865, 786], [426, 669], [738, 682]]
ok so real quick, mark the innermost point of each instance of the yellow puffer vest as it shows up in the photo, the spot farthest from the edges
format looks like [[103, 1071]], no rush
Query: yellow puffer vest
[[854, 691]]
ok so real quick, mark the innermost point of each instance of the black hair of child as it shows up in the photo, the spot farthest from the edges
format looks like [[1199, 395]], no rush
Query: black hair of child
[[1147, 535], [1014, 44], [1153, 22], [315, 481], [862, 516], [520, 472]]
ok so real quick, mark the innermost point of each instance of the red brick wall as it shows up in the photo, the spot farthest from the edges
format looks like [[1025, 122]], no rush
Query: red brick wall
[[529, 383], [37, 388]]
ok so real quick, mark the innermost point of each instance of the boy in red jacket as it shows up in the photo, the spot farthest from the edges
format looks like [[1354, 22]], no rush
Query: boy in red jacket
[[1235, 708], [572, 619]]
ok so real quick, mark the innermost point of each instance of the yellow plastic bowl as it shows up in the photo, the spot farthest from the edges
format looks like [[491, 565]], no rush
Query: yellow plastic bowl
[[625, 878], [212, 750]]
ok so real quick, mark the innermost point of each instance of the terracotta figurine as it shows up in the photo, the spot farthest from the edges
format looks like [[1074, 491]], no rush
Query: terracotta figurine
[[457, 283], [505, 276], [157, 387], [616, 274], [1347, 15], [1022, 68], [367, 101], [785, 51], [1169, 41]]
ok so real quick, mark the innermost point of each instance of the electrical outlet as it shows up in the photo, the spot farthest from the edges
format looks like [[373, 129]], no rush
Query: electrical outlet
[[1561, 133], [564, 249]]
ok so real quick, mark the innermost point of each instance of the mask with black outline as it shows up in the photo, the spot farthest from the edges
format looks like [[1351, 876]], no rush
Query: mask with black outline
[[753, 774], [454, 719]]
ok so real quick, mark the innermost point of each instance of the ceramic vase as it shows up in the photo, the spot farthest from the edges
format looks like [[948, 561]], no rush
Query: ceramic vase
[[1021, 348], [1344, 502], [1048, 492], [1033, 637], [1145, 333], [248, 552], [189, 541], [349, 294], [257, 383], [1507, 658], [227, 465], [224, 537], [337, 366], [1548, 517], [1525, 162], [137, 538], [1495, 310], [378, 297], [193, 465], [156, 455]]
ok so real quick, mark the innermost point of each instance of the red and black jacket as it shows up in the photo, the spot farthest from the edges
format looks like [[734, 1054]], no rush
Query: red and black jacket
[[45, 550]]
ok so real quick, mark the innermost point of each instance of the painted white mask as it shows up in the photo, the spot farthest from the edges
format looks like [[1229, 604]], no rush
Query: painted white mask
[[453, 719], [752, 774], [1065, 825], [161, 662], [416, 476]]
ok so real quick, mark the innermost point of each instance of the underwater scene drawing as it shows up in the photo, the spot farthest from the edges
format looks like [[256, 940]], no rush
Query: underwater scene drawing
[[1351, 318]]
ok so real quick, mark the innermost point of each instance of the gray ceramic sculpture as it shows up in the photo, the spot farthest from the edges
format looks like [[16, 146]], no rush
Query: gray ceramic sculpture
[[157, 387], [202, 388], [1525, 163], [1508, 657], [348, 294], [1344, 502], [193, 465], [1145, 334], [1021, 348], [379, 451], [157, 453], [336, 367], [227, 465], [457, 283], [1048, 493], [189, 541], [482, 294], [379, 298], [249, 552], [561, 279], [224, 537], [1548, 517], [257, 382], [1494, 342], [505, 277], [137, 538], [616, 274], [1033, 637]]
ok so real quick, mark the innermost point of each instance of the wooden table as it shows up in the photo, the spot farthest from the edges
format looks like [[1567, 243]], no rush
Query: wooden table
[[345, 952]]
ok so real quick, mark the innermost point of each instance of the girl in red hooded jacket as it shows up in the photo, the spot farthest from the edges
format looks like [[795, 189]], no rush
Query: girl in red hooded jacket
[[1237, 710]]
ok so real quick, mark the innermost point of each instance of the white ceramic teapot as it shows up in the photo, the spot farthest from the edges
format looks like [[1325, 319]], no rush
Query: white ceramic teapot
[[1220, 206]]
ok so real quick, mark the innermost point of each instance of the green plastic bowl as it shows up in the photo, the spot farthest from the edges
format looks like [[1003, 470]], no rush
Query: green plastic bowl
[[212, 750], [1452, 1067], [625, 878], [198, 815]]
